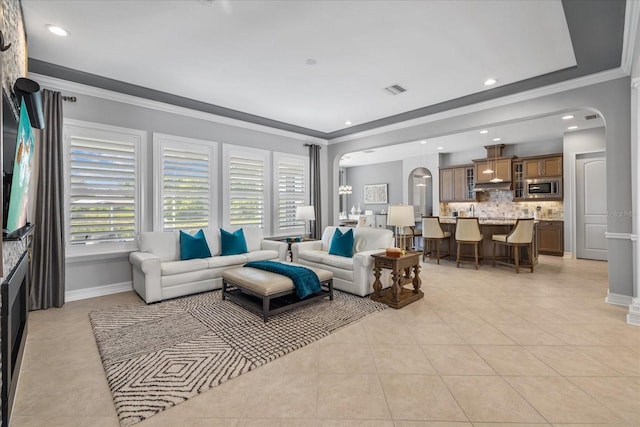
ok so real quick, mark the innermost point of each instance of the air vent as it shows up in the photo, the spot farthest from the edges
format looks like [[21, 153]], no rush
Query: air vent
[[591, 117], [395, 89], [207, 2], [369, 151]]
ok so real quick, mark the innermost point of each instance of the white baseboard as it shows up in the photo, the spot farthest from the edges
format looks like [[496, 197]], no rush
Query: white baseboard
[[618, 299], [568, 255], [633, 318], [97, 291]]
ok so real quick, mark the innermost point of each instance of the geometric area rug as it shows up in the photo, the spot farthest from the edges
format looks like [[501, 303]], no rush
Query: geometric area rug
[[157, 356]]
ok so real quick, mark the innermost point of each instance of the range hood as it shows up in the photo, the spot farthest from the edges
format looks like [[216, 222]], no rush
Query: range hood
[[492, 186]]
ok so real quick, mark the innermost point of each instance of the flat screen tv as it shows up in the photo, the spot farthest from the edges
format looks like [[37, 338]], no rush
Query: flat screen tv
[[16, 212]]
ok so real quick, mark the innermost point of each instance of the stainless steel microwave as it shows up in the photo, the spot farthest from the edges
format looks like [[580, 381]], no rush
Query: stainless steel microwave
[[543, 188]]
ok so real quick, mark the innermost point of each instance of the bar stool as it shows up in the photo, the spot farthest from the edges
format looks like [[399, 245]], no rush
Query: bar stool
[[520, 235], [432, 232], [468, 233]]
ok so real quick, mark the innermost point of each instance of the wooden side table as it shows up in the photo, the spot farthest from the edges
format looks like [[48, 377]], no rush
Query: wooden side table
[[401, 268]]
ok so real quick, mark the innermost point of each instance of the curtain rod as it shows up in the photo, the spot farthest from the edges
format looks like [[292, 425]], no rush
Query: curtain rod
[[313, 145], [69, 98]]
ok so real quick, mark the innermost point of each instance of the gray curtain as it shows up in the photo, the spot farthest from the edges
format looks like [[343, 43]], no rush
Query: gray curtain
[[314, 172], [47, 265]]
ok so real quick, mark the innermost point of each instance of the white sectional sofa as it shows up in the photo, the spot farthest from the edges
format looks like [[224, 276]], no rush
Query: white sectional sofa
[[159, 273], [355, 274]]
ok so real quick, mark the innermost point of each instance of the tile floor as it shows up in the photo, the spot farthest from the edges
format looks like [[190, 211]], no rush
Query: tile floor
[[483, 348]]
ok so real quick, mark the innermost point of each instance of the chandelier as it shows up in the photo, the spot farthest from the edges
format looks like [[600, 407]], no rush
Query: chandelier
[[345, 189]]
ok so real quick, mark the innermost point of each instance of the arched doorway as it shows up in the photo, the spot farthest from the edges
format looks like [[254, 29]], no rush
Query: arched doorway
[[421, 191]]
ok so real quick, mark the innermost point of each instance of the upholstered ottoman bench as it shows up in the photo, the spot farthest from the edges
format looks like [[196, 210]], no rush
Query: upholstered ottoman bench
[[266, 293]]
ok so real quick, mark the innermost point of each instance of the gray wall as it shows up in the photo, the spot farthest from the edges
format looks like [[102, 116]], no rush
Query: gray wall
[[114, 269], [379, 173], [610, 98]]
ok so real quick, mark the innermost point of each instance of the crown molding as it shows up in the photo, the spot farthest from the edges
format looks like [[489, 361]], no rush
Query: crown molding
[[635, 83], [591, 79], [631, 18], [60, 84]]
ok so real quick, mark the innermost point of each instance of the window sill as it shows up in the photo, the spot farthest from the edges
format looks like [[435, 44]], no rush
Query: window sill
[[72, 258]]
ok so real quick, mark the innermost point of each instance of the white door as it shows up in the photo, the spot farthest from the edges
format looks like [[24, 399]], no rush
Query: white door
[[591, 207]]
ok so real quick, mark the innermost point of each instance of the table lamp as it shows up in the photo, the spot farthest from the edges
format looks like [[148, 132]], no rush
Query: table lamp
[[400, 216], [305, 213]]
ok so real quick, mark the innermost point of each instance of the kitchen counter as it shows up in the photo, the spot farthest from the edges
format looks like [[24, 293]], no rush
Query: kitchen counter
[[491, 221], [488, 227]]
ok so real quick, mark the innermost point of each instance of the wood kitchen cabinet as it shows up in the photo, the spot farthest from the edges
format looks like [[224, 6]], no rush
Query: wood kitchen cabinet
[[551, 238], [501, 169], [543, 167], [456, 184]]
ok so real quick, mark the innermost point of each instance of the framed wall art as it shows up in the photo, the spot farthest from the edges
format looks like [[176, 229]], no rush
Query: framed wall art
[[375, 193]]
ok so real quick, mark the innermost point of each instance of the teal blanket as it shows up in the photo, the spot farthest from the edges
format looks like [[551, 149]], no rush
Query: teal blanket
[[305, 280]]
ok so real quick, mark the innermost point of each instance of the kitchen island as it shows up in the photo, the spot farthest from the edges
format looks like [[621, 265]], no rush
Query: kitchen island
[[489, 227]]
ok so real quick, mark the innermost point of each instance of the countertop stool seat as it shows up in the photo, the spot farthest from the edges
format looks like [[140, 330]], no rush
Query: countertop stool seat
[[520, 235], [468, 233], [433, 235]]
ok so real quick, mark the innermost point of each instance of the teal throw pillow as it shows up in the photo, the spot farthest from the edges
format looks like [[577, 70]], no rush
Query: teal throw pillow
[[232, 243], [342, 243], [193, 246]]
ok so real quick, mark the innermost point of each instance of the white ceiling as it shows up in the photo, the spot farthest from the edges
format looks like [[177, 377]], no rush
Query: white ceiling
[[536, 130], [252, 56]]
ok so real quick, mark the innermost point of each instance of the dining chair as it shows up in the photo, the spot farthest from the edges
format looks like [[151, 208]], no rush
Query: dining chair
[[521, 235], [432, 233], [468, 233]]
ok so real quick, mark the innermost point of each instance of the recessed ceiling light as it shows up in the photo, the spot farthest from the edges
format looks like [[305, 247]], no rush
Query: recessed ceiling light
[[572, 127], [58, 31], [311, 61], [440, 148], [348, 122], [369, 151], [490, 82], [421, 185], [483, 131], [423, 142], [426, 176], [568, 117], [497, 139]]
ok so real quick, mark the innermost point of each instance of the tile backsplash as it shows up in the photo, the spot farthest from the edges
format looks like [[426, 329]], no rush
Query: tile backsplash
[[500, 204]]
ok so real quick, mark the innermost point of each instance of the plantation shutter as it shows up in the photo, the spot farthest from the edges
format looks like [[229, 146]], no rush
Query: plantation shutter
[[247, 192], [102, 191], [292, 191], [186, 201]]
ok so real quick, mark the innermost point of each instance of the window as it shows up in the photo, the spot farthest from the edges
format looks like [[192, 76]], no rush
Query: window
[[185, 190], [246, 187], [102, 187], [292, 177]]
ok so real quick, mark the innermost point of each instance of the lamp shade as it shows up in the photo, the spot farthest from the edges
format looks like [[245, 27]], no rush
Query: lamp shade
[[306, 213], [400, 216]]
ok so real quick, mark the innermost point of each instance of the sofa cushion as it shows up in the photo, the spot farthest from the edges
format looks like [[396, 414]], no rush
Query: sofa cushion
[[178, 267], [195, 246], [254, 237], [261, 255], [313, 256], [232, 243], [338, 261], [164, 244], [226, 261], [342, 243], [213, 240]]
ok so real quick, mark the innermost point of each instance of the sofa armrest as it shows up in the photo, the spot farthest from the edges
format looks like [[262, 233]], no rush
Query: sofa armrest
[[274, 245], [146, 275], [364, 258], [297, 248]]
